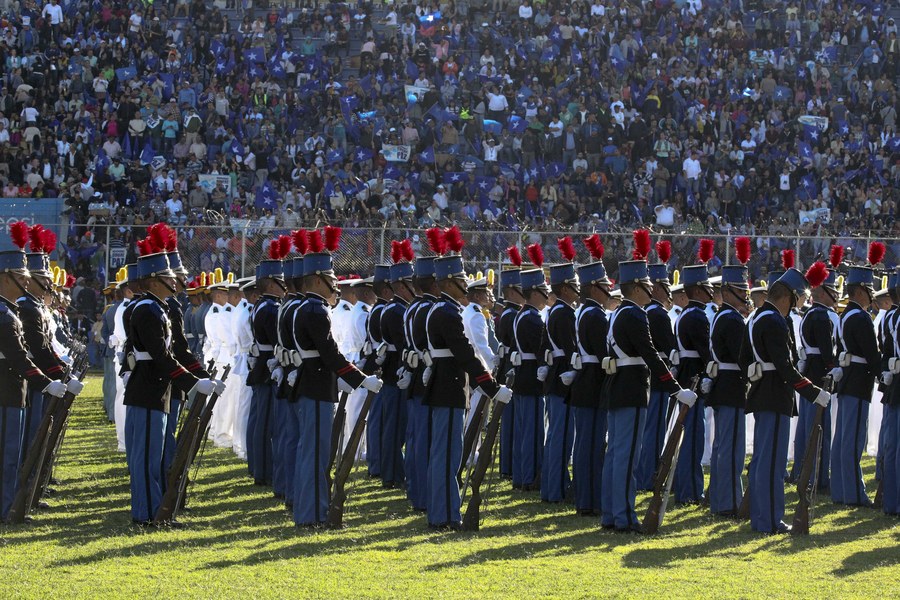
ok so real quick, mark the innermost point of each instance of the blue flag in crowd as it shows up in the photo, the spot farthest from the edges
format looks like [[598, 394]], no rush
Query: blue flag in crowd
[[450, 178], [236, 148], [334, 156], [147, 154], [126, 73], [427, 155], [267, 197], [492, 126], [363, 154], [256, 55]]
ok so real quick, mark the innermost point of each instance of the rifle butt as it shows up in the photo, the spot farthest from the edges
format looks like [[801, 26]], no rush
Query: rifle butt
[[472, 519], [743, 512]]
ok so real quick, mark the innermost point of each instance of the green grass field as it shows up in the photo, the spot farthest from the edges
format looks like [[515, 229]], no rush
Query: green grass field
[[241, 544]]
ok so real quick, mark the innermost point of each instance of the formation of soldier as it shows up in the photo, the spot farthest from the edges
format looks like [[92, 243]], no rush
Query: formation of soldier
[[418, 373]]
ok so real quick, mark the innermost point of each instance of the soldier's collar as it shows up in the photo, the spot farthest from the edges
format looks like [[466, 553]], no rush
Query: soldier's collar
[[591, 302], [151, 296], [451, 300], [727, 306], [11, 305], [526, 306], [427, 296], [512, 305], [697, 304], [475, 305], [311, 296]]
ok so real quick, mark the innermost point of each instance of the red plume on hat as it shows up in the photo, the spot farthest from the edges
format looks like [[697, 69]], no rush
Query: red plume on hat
[[817, 274], [536, 255], [158, 236], [664, 251], [876, 253], [396, 251], [594, 246], [35, 234], [515, 257], [18, 231], [566, 248], [787, 259], [274, 250], [48, 241], [707, 250], [70, 281], [144, 247], [408, 253], [454, 239], [641, 244], [301, 243], [171, 239], [436, 240], [836, 256], [332, 238], [314, 241], [742, 249], [284, 245]]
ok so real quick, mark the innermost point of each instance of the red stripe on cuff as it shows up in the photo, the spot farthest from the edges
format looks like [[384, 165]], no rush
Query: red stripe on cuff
[[194, 367], [665, 377], [177, 373], [802, 383], [32, 372], [56, 369], [483, 377], [345, 370]]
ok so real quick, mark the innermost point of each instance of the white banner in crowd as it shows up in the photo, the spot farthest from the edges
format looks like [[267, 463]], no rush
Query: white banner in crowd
[[395, 153], [208, 182]]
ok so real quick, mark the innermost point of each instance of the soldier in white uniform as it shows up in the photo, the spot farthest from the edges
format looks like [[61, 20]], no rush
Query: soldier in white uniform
[[117, 344], [220, 347], [476, 328], [244, 338], [340, 314], [354, 340]]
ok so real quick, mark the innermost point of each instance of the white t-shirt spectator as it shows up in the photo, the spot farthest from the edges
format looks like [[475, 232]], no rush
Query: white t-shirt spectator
[[497, 102], [691, 168], [784, 182], [30, 113], [440, 198], [665, 215], [134, 23], [174, 206], [54, 12], [525, 11]]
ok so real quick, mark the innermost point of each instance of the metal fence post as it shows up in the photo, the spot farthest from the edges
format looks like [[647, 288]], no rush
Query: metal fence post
[[108, 278], [243, 249]]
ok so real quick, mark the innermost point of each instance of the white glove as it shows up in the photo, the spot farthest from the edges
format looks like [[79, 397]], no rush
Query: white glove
[[204, 387], [292, 377], [887, 377], [836, 374], [220, 386], [125, 378], [495, 362], [56, 388], [426, 375], [381, 355], [251, 362], [706, 385], [801, 366], [686, 397], [272, 363], [74, 387], [568, 377], [404, 378], [504, 395], [823, 398], [278, 375], [372, 383], [343, 386], [66, 359], [113, 341], [542, 373]]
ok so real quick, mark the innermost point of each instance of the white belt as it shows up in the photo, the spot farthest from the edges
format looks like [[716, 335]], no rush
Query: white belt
[[859, 360], [630, 361], [688, 354], [558, 353], [141, 355], [730, 366], [265, 347], [189, 336], [390, 347], [767, 366], [440, 353], [527, 356], [663, 355], [304, 354], [812, 351], [587, 359]]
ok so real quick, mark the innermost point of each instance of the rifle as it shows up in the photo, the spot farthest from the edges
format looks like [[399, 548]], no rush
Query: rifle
[[472, 518], [28, 476], [665, 473], [808, 482], [335, 519], [471, 435], [185, 452], [337, 427]]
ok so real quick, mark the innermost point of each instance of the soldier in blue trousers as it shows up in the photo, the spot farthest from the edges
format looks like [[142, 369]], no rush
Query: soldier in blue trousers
[[453, 365], [631, 362], [767, 359], [590, 412], [374, 354], [859, 363], [511, 290], [889, 451], [725, 387], [559, 346]]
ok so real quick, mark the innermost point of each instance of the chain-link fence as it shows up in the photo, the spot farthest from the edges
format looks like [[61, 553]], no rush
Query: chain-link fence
[[101, 249]]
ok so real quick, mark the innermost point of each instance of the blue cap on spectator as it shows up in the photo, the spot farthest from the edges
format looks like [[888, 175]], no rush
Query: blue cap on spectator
[[633, 271], [175, 263], [296, 267], [533, 279], [318, 263], [401, 271], [132, 272], [695, 275], [449, 267], [383, 273], [859, 275], [510, 278], [735, 275], [13, 261], [424, 266], [38, 264], [564, 273], [773, 276], [795, 281], [593, 273], [154, 265], [659, 273], [273, 269]]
